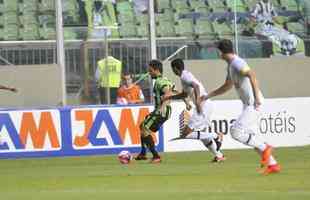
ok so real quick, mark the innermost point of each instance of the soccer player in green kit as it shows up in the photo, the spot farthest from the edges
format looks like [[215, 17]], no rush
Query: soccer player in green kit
[[162, 88]]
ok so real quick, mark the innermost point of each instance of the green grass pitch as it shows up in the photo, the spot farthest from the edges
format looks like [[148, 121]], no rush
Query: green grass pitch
[[180, 176]]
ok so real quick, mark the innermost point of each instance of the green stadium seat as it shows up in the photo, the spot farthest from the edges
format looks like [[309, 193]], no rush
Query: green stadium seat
[[142, 30], [29, 32], [216, 5], [289, 5], [47, 6], [223, 30], [11, 32], [163, 5], [28, 6], [1, 19], [70, 33], [184, 27], [202, 10], [47, 20], [197, 4], [126, 17], [1, 34], [127, 31], [1, 7], [204, 28], [124, 6], [296, 28], [165, 29], [10, 18], [70, 12], [28, 18], [10, 5], [167, 15], [241, 6], [47, 33], [179, 4]]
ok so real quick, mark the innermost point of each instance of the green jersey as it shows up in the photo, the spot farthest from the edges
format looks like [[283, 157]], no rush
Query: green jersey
[[158, 89]]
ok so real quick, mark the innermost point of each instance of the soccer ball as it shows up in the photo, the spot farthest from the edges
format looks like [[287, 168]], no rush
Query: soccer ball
[[124, 157]]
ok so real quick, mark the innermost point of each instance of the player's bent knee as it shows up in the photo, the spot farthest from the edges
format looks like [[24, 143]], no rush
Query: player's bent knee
[[235, 133]]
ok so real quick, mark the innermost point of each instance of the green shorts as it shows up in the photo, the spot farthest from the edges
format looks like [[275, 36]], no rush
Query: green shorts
[[155, 120]]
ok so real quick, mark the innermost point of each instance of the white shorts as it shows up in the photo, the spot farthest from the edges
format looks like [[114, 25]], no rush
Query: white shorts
[[203, 120], [248, 121]]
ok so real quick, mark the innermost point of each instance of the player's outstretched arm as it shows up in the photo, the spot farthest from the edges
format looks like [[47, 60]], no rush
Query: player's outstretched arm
[[171, 96], [221, 90], [8, 88]]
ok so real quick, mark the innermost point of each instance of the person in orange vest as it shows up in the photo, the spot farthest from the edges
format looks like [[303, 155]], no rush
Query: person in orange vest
[[128, 92]]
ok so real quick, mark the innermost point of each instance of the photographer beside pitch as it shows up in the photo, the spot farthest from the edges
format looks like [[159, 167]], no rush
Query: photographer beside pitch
[[245, 127]]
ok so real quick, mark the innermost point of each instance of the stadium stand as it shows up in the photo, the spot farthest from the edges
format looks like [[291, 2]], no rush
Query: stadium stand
[[173, 18]]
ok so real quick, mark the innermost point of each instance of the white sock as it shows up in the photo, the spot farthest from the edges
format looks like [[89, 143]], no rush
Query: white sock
[[254, 142], [212, 147], [272, 161]]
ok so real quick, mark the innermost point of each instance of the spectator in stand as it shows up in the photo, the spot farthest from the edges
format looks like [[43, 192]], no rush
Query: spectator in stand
[[129, 92]]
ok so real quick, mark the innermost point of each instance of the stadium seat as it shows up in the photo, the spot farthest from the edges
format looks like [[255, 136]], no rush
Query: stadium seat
[[125, 17], [184, 27], [223, 30], [179, 4], [47, 33], [10, 5], [28, 18], [10, 18], [204, 11], [167, 15], [70, 33], [196, 4], [70, 11], [47, 6], [163, 5], [11, 32], [124, 6], [241, 6], [216, 5], [204, 28], [142, 30], [296, 28], [165, 29], [127, 31], [28, 6], [142, 25], [289, 5], [29, 32]]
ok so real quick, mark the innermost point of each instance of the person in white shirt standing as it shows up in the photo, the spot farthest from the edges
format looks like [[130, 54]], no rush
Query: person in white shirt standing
[[199, 121], [245, 127]]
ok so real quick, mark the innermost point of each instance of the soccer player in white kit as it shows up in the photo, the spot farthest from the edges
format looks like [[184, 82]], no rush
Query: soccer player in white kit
[[244, 129], [201, 117]]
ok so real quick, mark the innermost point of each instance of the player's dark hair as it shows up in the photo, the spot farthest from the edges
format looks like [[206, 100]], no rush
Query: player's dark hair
[[156, 64], [178, 64], [225, 46]]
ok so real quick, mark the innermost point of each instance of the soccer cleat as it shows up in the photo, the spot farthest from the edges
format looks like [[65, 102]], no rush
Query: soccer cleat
[[156, 160], [266, 156], [141, 157], [218, 159], [272, 169]]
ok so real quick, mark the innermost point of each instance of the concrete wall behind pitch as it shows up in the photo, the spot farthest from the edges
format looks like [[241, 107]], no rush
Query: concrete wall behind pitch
[[278, 77], [38, 85]]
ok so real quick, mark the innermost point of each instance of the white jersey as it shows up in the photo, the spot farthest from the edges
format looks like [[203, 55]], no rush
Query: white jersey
[[264, 12], [242, 83], [187, 80]]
